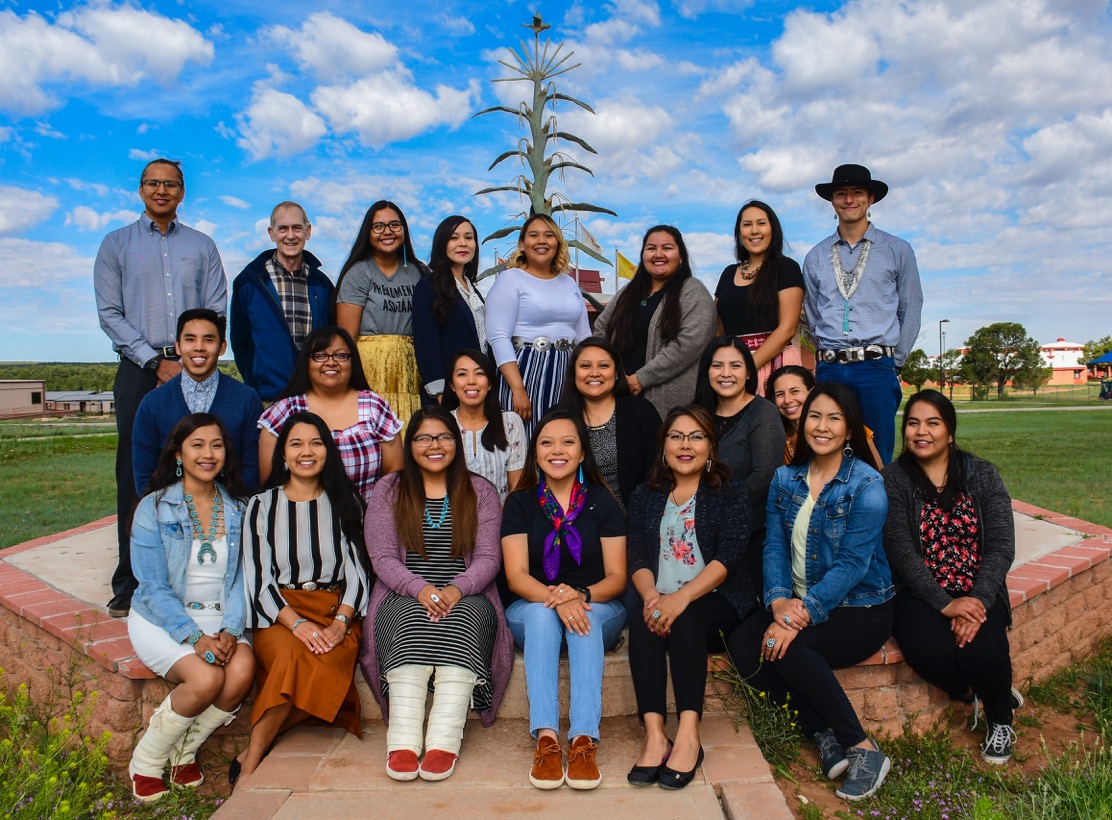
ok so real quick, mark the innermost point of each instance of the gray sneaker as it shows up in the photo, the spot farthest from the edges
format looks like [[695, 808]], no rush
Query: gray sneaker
[[978, 709], [834, 763], [997, 747], [867, 770]]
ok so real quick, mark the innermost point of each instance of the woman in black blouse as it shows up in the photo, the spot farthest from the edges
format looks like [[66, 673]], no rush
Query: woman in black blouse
[[564, 550], [622, 428], [760, 298], [688, 533], [307, 581]]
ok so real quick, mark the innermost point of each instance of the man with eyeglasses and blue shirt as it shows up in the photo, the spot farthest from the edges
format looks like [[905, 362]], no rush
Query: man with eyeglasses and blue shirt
[[145, 275], [277, 301]]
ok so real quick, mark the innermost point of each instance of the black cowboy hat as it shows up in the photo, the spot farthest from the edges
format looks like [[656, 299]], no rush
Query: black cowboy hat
[[857, 175]]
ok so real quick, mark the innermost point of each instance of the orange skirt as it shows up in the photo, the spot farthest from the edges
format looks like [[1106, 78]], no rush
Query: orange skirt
[[320, 685]]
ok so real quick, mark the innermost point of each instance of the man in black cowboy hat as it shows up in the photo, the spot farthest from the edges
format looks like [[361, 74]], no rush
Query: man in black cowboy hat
[[863, 302]]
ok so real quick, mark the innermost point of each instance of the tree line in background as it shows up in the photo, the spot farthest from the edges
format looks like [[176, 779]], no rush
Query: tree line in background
[[996, 355], [83, 376]]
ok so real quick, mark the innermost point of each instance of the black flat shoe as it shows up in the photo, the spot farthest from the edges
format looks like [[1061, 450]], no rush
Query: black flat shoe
[[673, 780], [233, 771], [647, 775]]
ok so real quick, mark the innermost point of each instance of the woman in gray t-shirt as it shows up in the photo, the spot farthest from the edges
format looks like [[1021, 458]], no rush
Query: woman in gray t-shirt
[[374, 303]]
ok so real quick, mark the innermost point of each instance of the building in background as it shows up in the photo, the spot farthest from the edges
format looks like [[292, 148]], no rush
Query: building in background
[[22, 398]]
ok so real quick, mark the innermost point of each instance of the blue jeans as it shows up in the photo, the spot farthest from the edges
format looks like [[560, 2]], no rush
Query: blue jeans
[[878, 391], [540, 633]]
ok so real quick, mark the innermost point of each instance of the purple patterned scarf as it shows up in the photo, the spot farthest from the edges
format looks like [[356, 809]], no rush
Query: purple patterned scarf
[[563, 530]]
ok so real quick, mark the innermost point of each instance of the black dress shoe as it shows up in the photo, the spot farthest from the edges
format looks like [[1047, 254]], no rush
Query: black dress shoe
[[671, 779], [647, 775], [233, 771], [120, 605]]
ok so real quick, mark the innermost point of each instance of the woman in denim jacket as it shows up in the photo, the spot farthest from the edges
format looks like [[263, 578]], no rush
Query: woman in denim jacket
[[188, 614], [827, 584]]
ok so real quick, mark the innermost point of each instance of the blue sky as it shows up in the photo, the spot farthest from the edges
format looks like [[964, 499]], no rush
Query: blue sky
[[991, 121]]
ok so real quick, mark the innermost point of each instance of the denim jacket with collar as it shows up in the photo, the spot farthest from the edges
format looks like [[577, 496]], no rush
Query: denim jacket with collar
[[161, 539], [846, 564]]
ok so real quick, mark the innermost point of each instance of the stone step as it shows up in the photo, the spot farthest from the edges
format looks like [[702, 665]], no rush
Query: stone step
[[323, 772]]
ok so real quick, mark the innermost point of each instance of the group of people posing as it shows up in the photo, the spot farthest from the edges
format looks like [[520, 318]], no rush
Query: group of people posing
[[675, 469]]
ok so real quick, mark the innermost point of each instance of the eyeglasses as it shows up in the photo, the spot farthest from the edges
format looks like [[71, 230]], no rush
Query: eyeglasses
[[340, 356], [170, 185], [677, 437], [425, 440], [284, 229], [381, 227]]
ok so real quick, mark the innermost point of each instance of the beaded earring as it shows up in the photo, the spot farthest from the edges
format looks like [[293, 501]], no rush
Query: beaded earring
[[580, 473], [177, 471]]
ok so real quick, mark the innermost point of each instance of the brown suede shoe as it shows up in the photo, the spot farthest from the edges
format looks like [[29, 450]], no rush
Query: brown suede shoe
[[548, 764], [583, 771]]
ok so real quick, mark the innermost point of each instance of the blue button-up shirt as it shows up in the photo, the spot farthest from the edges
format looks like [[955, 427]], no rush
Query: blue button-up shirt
[[199, 395], [144, 279], [885, 309]]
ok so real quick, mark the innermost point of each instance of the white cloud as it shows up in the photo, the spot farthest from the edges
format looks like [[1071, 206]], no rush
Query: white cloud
[[30, 264], [100, 46], [333, 48], [85, 218], [389, 108], [458, 25], [277, 123], [21, 209], [236, 202], [139, 155]]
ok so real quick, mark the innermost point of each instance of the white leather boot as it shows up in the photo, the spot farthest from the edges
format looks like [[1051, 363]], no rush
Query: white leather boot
[[408, 687], [152, 751], [451, 699], [184, 770]]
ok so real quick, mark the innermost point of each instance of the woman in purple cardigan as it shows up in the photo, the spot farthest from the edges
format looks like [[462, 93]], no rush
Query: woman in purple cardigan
[[432, 534]]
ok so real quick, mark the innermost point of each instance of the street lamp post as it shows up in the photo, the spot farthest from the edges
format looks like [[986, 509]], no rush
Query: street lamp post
[[941, 352]]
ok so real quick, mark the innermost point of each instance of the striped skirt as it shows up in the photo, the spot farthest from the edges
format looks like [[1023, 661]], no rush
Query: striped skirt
[[391, 369], [542, 373]]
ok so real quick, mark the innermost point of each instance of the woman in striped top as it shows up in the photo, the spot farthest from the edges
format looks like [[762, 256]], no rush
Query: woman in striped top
[[307, 582], [432, 533]]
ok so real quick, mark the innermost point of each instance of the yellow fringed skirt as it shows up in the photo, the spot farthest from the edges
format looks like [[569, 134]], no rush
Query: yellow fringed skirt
[[391, 369]]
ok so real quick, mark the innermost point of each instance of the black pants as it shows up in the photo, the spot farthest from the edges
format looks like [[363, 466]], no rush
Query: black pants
[[984, 665], [849, 636], [694, 633], [131, 384]]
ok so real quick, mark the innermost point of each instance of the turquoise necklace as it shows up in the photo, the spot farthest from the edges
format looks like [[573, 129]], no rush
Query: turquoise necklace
[[443, 514], [214, 525]]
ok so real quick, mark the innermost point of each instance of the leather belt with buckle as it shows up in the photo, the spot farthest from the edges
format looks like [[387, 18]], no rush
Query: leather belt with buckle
[[850, 355], [542, 343], [170, 353], [311, 586]]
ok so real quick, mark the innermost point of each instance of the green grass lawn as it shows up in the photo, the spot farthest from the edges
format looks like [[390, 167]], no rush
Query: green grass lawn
[[54, 484], [1060, 460]]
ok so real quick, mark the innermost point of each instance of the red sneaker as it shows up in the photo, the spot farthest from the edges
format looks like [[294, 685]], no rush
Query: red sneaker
[[147, 789], [189, 775], [438, 765], [402, 765]]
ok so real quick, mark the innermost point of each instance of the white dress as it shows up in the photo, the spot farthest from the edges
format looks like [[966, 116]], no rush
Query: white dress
[[203, 586]]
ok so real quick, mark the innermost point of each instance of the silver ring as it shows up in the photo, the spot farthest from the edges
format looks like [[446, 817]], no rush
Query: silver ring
[[435, 598], [771, 643], [656, 614], [316, 634], [787, 620]]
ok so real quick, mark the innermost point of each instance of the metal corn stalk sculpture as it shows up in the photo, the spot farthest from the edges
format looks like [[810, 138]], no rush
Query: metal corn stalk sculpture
[[540, 66]]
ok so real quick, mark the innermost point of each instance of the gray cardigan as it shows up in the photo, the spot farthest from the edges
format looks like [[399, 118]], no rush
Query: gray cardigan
[[997, 534], [668, 377]]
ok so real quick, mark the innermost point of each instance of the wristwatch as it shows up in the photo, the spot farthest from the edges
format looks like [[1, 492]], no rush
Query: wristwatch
[[586, 593], [342, 618], [153, 363]]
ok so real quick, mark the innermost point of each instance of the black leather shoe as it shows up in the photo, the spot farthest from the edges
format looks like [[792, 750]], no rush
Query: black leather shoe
[[647, 775], [120, 605], [671, 779], [233, 771]]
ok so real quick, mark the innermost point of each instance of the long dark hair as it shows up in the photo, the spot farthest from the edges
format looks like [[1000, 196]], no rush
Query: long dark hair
[[494, 434], [704, 393], [764, 299], [855, 424], [409, 507], [530, 475], [300, 384], [661, 477], [443, 282], [571, 399], [621, 325], [334, 480], [361, 249], [166, 471], [955, 469], [788, 370]]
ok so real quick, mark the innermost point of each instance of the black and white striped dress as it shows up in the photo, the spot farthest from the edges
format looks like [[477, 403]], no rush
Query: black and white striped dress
[[465, 638]]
